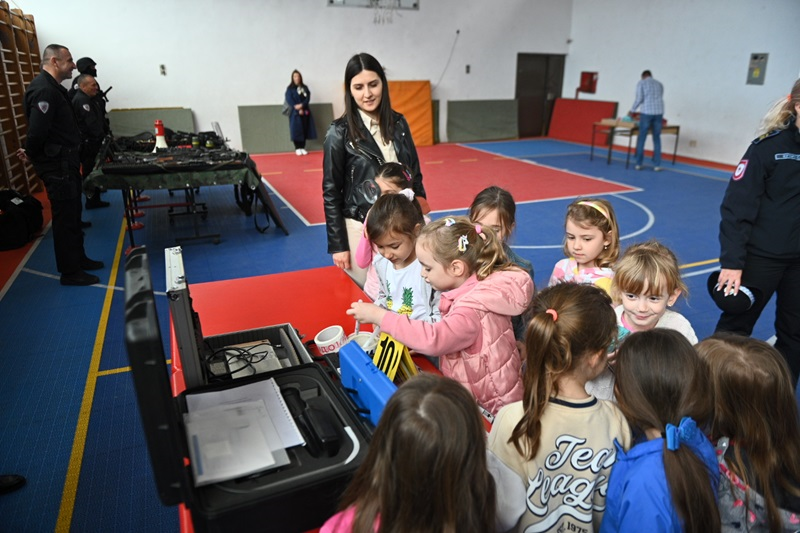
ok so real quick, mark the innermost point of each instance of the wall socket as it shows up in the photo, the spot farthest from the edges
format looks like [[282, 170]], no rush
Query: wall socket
[[692, 143]]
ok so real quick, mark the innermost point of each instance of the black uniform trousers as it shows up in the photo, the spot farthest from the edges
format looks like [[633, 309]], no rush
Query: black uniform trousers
[[62, 179], [772, 276]]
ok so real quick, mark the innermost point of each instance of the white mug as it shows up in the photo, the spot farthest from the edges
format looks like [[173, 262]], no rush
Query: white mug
[[330, 339], [366, 340]]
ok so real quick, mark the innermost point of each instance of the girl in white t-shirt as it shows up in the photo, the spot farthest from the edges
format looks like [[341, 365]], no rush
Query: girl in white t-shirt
[[647, 282], [394, 224]]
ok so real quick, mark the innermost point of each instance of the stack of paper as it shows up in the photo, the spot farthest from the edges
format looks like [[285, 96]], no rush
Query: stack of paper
[[239, 431]]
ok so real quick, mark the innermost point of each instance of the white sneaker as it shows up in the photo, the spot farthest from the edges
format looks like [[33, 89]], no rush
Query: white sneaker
[[303, 151], [657, 169], [638, 167], [298, 151]]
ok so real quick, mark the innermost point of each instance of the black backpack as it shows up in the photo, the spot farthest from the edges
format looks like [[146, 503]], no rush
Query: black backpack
[[21, 219]]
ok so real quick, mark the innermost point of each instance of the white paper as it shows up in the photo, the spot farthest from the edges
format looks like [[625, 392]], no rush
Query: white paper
[[228, 442], [267, 391]]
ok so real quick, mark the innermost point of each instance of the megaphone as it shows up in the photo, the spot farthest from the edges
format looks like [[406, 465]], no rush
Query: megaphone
[[161, 141]]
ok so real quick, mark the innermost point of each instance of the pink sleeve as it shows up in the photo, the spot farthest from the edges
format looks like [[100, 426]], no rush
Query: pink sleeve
[[341, 522], [364, 252], [372, 284], [558, 274], [457, 331]]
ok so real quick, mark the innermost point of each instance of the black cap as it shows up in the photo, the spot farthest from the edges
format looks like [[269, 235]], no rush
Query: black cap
[[84, 64], [744, 299]]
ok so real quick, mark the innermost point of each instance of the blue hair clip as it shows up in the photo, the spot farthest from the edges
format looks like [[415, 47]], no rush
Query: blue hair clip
[[683, 433], [449, 221]]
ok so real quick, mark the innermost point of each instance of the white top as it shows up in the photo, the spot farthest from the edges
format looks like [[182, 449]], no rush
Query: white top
[[567, 479], [670, 320], [405, 292], [603, 385], [387, 149]]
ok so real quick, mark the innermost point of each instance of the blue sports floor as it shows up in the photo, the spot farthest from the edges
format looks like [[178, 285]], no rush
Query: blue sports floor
[[69, 419]]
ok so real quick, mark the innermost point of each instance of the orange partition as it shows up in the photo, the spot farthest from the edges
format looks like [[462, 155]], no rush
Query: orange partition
[[413, 100]]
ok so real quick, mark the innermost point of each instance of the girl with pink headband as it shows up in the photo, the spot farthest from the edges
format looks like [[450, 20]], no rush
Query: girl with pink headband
[[591, 244]]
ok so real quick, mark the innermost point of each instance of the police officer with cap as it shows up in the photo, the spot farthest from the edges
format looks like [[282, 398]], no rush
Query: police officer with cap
[[92, 123], [52, 146]]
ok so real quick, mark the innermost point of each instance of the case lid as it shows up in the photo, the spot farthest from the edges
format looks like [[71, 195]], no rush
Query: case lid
[[151, 379]]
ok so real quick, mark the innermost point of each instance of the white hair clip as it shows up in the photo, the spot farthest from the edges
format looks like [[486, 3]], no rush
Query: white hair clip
[[463, 242], [408, 193]]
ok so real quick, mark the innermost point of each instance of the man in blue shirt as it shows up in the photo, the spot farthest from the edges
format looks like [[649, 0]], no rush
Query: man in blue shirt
[[650, 96]]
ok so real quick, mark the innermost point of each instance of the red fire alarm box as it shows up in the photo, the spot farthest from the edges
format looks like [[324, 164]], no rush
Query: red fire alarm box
[[588, 82]]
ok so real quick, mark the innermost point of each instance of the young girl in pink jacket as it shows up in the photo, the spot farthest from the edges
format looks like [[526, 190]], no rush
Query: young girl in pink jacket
[[481, 291]]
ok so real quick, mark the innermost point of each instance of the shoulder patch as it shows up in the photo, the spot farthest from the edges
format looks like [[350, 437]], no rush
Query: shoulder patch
[[43, 106], [767, 135], [86, 107], [740, 168]]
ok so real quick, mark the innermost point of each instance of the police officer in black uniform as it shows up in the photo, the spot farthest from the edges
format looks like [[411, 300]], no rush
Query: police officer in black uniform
[[760, 230], [92, 123], [52, 146]]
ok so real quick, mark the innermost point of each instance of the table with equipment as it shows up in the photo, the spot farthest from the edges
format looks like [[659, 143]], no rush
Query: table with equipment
[[184, 170], [628, 128]]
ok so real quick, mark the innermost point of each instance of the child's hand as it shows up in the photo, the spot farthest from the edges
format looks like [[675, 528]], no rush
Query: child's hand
[[366, 312]]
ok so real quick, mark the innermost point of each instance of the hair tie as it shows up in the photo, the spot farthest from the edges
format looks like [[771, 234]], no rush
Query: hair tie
[[449, 222], [553, 313], [479, 231], [683, 433], [463, 242], [408, 193], [407, 175], [598, 207]]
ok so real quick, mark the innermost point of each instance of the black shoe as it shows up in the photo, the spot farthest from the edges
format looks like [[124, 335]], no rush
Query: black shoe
[[10, 483], [79, 278], [91, 264], [95, 202], [85, 224]]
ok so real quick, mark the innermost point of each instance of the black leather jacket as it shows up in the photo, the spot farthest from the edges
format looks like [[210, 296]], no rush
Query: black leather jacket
[[348, 164]]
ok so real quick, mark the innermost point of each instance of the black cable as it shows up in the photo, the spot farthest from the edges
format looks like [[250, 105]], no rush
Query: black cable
[[450, 57]]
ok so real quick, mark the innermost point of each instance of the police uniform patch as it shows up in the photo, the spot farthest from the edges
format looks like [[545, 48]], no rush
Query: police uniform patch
[[43, 106], [740, 168], [86, 107]]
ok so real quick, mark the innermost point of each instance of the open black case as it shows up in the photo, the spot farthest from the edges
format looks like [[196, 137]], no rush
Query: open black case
[[296, 497]]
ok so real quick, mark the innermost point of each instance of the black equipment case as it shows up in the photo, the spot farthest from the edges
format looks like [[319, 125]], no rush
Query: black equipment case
[[296, 497]]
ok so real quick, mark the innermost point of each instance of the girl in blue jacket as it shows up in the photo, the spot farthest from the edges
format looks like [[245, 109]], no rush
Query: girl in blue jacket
[[668, 480]]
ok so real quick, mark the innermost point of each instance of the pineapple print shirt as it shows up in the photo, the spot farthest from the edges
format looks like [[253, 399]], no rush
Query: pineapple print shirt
[[405, 292]]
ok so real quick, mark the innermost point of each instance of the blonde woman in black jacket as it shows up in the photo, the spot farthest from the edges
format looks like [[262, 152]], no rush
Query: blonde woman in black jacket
[[368, 134]]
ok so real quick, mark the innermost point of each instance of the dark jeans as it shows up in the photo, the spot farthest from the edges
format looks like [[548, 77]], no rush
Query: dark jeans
[[299, 144], [62, 179], [781, 277], [653, 123]]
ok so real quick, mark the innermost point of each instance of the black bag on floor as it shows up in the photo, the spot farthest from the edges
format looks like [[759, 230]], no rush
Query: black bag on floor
[[21, 219]]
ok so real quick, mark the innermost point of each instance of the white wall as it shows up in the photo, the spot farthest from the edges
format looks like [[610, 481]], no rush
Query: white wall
[[219, 55], [700, 51]]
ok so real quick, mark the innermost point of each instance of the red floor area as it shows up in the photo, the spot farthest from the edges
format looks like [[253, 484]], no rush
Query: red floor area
[[10, 259], [453, 175]]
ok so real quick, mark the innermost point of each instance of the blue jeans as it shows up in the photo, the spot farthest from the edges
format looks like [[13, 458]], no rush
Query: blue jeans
[[647, 122]]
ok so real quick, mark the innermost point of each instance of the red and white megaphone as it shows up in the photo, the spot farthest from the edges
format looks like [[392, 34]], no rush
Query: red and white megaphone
[[161, 141]]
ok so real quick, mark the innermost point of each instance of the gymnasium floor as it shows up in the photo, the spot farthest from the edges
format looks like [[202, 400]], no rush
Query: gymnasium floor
[[69, 419]]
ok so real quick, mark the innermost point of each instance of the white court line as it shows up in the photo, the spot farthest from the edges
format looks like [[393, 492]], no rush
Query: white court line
[[97, 285], [651, 218], [567, 171], [23, 262], [286, 204]]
